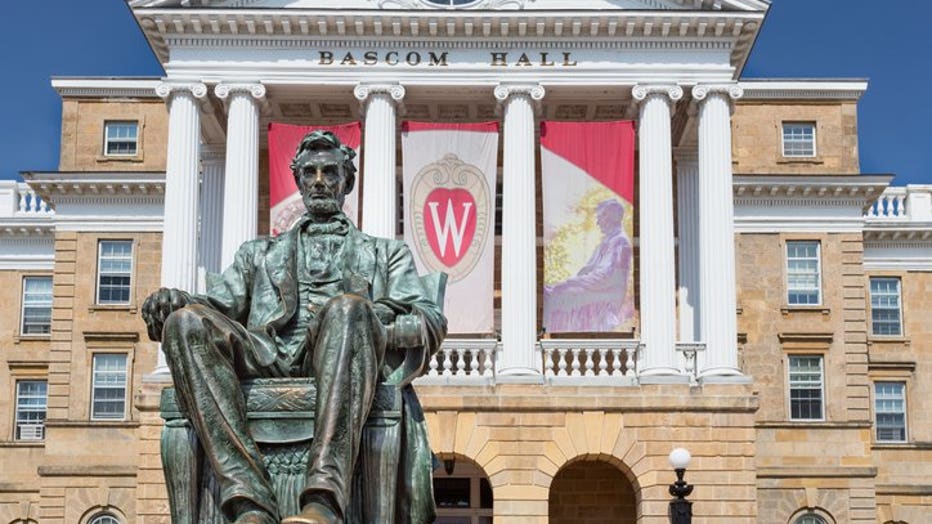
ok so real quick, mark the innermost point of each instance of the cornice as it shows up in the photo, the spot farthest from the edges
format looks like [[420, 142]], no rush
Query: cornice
[[804, 89], [820, 190], [105, 87], [56, 187]]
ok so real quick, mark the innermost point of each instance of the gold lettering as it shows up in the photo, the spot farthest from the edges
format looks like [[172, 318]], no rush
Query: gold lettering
[[568, 60], [543, 60], [438, 60], [413, 58], [391, 58], [499, 59], [326, 58], [348, 59], [524, 60], [371, 57]]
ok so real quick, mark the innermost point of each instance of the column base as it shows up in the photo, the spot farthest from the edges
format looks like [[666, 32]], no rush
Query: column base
[[725, 379], [677, 378]]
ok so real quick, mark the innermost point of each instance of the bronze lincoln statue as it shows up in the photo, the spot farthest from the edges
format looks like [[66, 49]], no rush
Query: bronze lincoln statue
[[323, 300]]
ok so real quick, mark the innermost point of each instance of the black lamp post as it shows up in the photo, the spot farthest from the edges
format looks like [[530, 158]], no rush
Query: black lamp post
[[681, 510]]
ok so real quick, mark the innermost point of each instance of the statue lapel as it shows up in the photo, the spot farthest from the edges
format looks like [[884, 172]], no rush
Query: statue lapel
[[281, 265], [359, 264]]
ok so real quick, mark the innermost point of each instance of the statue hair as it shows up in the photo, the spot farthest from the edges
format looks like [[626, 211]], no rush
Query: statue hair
[[321, 140]]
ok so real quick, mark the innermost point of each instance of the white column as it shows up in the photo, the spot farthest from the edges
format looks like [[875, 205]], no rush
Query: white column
[[179, 232], [657, 273], [241, 174], [519, 354], [379, 187], [687, 212], [211, 233], [717, 302]]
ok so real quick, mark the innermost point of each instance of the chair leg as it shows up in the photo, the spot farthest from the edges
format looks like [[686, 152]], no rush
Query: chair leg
[[181, 460], [377, 470]]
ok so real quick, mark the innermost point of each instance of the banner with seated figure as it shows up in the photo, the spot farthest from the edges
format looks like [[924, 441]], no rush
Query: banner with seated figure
[[285, 205], [588, 194], [449, 201]]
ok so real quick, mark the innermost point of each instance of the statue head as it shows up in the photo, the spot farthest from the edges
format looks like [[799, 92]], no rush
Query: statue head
[[608, 214], [324, 172]]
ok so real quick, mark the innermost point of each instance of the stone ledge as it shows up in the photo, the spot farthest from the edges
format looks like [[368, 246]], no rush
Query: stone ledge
[[904, 489], [815, 424], [820, 472], [91, 470], [92, 424], [22, 444]]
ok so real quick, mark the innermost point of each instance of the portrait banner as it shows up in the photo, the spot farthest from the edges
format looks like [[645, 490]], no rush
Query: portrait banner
[[588, 195], [285, 205], [449, 211]]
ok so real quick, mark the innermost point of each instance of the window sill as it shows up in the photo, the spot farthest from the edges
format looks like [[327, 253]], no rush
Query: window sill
[[902, 445], [134, 159], [92, 424], [20, 338], [131, 308], [891, 340], [786, 310], [819, 424], [22, 443], [815, 160]]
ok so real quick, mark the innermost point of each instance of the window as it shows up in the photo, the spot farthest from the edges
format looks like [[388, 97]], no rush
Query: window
[[885, 306], [31, 402], [803, 273], [115, 266], [805, 387], [799, 139], [103, 518], [463, 496], [120, 138], [108, 398], [37, 306], [890, 411]]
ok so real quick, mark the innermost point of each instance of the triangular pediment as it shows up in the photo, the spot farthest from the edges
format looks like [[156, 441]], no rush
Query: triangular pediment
[[575, 5]]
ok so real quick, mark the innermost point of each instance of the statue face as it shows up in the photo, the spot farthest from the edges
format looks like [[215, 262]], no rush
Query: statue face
[[321, 179]]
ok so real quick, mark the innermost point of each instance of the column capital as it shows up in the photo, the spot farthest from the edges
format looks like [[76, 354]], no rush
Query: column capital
[[224, 90], [702, 91], [169, 88], [363, 91], [503, 91], [671, 92]]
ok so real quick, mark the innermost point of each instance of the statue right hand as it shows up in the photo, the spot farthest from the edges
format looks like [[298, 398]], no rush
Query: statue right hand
[[158, 306]]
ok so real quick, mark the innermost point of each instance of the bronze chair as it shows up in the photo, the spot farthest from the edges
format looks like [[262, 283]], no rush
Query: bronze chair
[[281, 420]]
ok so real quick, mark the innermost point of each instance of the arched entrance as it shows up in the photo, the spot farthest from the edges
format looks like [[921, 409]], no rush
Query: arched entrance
[[593, 492], [462, 492]]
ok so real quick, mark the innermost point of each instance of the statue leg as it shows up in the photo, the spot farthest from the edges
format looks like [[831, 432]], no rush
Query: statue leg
[[345, 360], [208, 354]]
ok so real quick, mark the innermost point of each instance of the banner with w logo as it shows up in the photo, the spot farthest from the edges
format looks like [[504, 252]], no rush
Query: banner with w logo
[[285, 205], [588, 193], [449, 201]]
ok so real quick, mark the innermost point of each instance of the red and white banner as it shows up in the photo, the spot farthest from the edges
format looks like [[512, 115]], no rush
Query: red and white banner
[[449, 190], [285, 203], [588, 195]]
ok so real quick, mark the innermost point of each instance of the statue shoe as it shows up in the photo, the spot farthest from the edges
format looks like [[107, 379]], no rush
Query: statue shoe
[[255, 517], [314, 513]]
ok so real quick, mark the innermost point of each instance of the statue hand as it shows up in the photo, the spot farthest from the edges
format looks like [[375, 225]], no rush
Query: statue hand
[[385, 313], [158, 306]]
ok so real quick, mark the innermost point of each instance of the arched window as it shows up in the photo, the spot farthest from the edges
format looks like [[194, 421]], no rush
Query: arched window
[[103, 518], [810, 518]]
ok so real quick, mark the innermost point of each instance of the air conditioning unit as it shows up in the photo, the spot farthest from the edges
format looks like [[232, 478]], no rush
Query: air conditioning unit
[[31, 431]]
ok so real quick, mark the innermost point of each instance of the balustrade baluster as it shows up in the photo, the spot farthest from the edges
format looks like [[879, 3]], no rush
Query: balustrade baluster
[[434, 364], [562, 364], [474, 362], [616, 362], [488, 361], [629, 362], [461, 362], [548, 362], [447, 362], [603, 362], [22, 202], [575, 367], [589, 355]]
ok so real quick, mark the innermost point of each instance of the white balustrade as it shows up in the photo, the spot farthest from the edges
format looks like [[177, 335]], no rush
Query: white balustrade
[[29, 203], [690, 351], [584, 359], [891, 205], [462, 359]]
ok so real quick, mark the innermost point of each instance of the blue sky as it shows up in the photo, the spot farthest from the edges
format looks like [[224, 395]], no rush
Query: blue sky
[[888, 42]]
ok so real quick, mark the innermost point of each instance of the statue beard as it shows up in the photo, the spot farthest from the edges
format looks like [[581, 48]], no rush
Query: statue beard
[[323, 207]]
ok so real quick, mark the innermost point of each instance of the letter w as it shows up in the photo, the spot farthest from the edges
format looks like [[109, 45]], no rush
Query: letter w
[[449, 223]]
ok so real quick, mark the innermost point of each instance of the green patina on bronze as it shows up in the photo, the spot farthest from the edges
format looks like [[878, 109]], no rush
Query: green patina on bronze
[[293, 400]]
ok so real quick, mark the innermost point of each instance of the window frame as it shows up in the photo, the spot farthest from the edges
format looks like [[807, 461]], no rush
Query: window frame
[[131, 272], [786, 264], [904, 413], [98, 518], [22, 309], [94, 386], [783, 141], [17, 397], [901, 325], [117, 140], [822, 387]]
